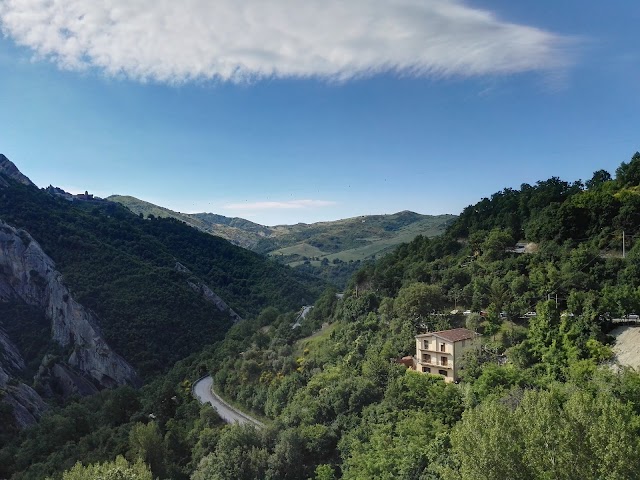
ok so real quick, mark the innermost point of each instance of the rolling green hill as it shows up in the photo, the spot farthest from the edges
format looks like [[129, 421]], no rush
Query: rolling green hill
[[358, 238], [326, 249]]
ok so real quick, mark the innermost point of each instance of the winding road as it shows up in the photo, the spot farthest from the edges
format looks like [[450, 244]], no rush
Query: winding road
[[203, 391]]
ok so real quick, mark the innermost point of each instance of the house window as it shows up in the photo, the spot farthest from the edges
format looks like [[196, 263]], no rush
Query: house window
[[443, 361], [442, 346], [426, 344], [426, 369], [426, 358], [444, 373]]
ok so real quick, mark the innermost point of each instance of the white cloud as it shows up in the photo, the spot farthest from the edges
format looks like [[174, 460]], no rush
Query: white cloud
[[239, 40], [279, 205]]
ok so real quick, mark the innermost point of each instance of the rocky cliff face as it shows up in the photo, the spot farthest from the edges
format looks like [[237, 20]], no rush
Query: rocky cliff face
[[8, 169], [209, 295], [26, 404], [27, 274]]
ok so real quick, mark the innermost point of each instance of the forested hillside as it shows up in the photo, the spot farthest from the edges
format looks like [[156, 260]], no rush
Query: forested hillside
[[539, 400], [575, 236], [596, 209], [144, 277]]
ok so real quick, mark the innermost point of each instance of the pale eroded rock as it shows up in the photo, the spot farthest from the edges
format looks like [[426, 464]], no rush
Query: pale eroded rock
[[28, 274]]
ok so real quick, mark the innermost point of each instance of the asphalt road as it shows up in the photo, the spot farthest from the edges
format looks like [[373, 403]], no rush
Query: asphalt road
[[203, 391]]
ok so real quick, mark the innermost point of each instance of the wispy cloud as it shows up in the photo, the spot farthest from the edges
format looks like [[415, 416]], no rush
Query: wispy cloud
[[239, 40], [290, 204]]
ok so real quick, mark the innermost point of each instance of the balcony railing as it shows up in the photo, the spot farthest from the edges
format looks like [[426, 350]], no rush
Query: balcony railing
[[435, 352], [435, 363], [448, 352]]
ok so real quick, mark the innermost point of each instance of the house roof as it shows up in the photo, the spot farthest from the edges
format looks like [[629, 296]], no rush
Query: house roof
[[453, 335]]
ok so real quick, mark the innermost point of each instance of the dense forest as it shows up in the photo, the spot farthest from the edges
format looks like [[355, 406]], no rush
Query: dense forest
[[135, 274], [539, 400]]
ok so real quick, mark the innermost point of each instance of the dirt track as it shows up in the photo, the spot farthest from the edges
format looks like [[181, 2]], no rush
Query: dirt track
[[627, 346]]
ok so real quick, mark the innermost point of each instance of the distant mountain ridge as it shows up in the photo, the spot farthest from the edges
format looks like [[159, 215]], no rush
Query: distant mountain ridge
[[238, 231], [331, 250]]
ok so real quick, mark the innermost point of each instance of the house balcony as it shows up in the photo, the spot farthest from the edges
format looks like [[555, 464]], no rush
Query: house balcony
[[436, 363], [435, 352], [422, 353]]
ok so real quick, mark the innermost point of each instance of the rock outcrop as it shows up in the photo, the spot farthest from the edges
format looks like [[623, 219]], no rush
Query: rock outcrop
[[26, 404], [27, 274], [211, 297], [208, 294], [10, 359], [8, 169], [57, 378]]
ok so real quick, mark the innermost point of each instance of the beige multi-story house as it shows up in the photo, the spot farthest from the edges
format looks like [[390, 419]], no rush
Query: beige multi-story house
[[441, 353]]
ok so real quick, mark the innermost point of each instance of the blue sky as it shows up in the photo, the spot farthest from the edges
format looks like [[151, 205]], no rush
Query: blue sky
[[282, 113]]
